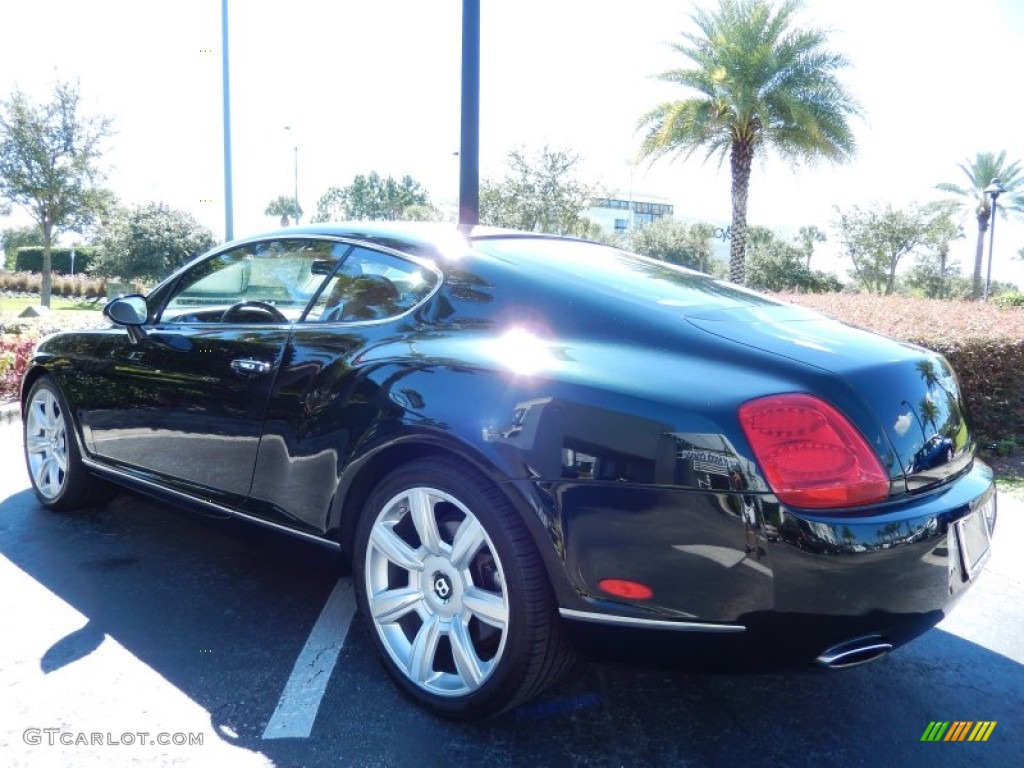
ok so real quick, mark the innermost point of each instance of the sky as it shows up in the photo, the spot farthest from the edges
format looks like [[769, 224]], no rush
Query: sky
[[365, 86]]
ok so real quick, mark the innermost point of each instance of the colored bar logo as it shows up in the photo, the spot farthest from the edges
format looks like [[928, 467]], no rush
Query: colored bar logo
[[958, 730]]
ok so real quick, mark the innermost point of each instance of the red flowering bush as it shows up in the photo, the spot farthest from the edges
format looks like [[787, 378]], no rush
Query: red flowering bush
[[14, 355]]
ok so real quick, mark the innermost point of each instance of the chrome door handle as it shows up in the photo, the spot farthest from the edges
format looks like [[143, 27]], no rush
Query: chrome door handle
[[249, 368]]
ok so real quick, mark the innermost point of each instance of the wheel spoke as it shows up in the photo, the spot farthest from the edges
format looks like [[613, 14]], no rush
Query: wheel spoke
[[37, 443], [61, 457], [395, 549], [424, 649], [392, 604], [48, 412], [468, 540], [466, 661], [421, 508], [39, 474], [48, 477], [487, 606]]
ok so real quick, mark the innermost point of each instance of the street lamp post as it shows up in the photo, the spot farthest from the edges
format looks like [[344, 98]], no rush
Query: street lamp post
[[229, 212], [297, 214], [994, 190], [469, 150]]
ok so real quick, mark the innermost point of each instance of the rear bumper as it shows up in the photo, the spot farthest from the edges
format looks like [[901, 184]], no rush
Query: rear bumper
[[743, 570]]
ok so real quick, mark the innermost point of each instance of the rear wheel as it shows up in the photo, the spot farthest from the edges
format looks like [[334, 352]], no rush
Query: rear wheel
[[54, 462], [454, 592]]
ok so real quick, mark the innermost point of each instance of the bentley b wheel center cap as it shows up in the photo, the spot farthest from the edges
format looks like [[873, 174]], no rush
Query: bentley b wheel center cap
[[443, 589]]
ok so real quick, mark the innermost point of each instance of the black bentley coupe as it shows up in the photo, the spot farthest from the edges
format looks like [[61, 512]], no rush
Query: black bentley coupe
[[522, 442]]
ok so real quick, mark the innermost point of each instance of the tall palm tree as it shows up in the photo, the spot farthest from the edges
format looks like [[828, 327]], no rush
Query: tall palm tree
[[980, 172], [760, 82]]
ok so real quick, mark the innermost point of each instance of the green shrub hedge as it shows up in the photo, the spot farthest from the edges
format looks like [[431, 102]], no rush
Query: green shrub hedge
[[983, 342], [30, 259]]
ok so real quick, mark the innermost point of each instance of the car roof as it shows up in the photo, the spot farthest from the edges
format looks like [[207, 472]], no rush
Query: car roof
[[415, 236]]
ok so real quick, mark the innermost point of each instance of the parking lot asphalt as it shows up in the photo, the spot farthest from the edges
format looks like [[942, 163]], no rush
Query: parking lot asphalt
[[135, 624]]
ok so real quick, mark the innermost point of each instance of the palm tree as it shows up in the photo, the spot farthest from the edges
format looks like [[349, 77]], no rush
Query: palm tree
[[808, 236], [759, 82], [980, 172], [286, 207]]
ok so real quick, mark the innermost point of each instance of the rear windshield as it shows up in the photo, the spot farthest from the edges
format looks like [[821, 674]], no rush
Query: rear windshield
[[605, 268]]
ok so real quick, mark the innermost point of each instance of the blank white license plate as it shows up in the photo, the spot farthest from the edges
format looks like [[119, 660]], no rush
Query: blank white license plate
[[974, 539]]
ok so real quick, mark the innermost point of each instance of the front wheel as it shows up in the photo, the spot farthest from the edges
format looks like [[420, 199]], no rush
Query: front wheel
[[454, 592], [54, 462]]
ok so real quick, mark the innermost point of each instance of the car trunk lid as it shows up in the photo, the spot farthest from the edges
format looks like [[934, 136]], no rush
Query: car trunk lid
[[911, 394]]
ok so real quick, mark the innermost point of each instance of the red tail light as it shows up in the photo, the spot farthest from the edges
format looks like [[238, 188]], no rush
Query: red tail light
[[811, 455]]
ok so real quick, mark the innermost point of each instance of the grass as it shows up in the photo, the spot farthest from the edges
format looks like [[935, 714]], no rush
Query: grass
[[57, 303]]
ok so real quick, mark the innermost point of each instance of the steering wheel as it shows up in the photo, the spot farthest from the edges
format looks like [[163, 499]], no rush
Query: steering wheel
[[260, 306]]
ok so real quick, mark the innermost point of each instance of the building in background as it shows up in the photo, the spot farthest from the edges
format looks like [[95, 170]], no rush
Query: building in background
[[620, 215]]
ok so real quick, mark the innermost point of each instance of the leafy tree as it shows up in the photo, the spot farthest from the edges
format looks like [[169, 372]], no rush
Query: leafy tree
[[670, 240], [666, 240], [934, 274], [370, 197], [760, 83], [148, 242], [980, 172], [13, 238], [876, 240], [49, 157], [806, 239], [935, 279], [538, 194], [285, 208], [775, 265], [422, 212]]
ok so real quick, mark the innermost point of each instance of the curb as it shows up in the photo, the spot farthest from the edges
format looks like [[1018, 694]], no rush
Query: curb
[[10, 412]]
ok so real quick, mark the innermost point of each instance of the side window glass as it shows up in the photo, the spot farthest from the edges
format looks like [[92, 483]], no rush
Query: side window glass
[[371, 285], [266, 282]]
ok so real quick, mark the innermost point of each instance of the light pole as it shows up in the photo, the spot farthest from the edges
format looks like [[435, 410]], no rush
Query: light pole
[[297, 214], [229, 213], [994, 190], [469, 150]]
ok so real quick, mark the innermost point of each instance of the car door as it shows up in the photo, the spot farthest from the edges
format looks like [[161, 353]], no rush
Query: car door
[[184, 406], [328, 394]]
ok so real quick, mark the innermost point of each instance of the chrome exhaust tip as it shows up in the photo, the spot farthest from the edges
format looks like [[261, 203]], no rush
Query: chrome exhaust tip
[[854, 652]]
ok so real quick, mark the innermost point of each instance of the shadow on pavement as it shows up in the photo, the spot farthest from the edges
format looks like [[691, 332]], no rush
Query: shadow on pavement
[[167, 585]]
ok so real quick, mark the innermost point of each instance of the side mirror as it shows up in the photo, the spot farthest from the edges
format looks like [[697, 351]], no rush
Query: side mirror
[[129, 311], [323, 266]]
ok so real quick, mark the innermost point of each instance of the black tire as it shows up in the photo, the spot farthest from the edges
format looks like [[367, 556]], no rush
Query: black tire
[[52, 455], [463, 616]]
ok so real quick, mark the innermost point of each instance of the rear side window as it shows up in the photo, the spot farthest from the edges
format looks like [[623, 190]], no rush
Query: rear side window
[[371, 285]]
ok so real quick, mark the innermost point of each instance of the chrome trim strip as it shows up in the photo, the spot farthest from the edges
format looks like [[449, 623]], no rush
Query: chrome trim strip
[[629, 621], [103, 469]]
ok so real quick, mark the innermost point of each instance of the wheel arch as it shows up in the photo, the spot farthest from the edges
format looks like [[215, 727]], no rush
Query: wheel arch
[[33, 375], [367, 472]]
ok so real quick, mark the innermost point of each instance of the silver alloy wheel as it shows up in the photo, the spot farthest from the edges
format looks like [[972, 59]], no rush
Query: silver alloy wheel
[[46, 443], [436, 592]]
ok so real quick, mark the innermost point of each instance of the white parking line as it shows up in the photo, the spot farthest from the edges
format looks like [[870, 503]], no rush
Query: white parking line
[[300, 701]]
